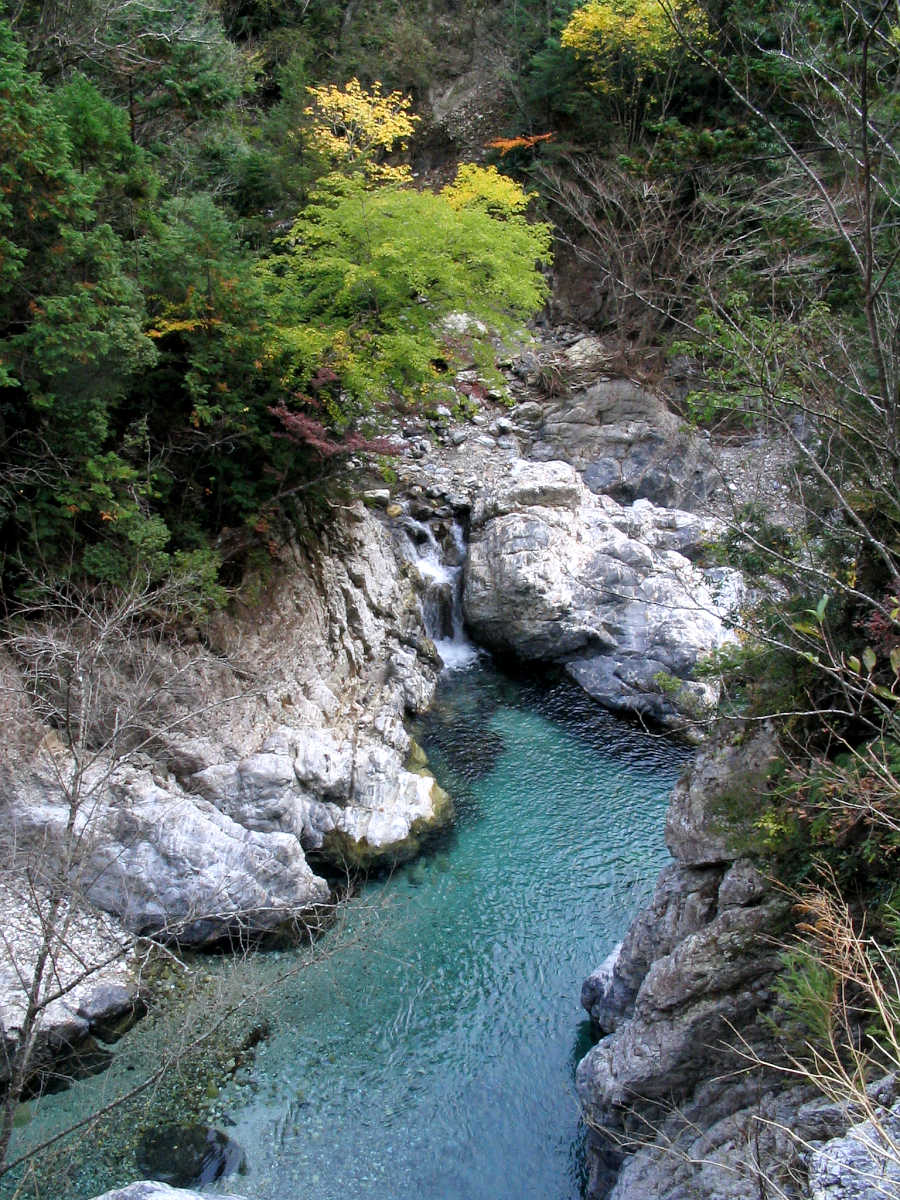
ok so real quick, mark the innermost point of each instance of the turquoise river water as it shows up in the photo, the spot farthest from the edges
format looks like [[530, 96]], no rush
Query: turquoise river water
[[429, 1054]]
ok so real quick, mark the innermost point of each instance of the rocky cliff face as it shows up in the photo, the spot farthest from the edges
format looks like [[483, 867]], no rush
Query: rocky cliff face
[[674, 1105], [276, 732], [694, 970]]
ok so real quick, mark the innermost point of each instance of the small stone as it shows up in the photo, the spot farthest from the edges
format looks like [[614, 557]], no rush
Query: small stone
[[380, 497]]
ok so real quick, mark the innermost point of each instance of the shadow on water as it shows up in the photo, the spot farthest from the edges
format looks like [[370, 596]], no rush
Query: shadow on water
[[186, 1156]]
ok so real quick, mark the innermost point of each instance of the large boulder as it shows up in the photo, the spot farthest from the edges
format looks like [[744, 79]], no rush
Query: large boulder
[[681, 1013], [555, 574], [684, 901], [685, 1006], [696, 968], [162, 861], [625, 440], [352, 800]]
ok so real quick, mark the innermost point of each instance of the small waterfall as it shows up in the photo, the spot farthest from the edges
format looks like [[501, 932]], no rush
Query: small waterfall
[[441, 570]]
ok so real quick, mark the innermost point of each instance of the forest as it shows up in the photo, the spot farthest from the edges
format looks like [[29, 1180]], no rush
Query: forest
[[232, 232]]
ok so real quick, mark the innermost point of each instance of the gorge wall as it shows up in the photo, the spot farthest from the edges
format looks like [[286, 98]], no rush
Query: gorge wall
[[280, 735], [275, 731]]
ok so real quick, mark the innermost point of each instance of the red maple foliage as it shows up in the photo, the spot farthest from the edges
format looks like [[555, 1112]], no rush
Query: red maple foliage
[[306, 431]]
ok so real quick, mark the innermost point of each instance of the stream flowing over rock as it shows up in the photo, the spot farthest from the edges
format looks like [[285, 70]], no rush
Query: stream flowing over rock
[[556, 574]]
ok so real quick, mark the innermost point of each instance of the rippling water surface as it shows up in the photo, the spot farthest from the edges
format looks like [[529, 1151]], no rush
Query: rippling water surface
[[431, 1055], [434, 1060]]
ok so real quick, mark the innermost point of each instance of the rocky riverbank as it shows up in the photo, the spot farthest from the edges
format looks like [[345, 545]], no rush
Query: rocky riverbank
[[280, 732], [688, 1092], [275, 731]]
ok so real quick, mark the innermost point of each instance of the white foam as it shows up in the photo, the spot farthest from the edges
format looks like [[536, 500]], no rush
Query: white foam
[[456, 653]]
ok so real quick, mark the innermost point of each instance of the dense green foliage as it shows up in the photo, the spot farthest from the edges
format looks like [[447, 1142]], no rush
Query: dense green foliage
[[219, 274], [156, 325], [357, 256]]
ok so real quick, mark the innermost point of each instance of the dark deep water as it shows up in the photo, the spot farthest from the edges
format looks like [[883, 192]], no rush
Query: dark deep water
[[431, 1055]]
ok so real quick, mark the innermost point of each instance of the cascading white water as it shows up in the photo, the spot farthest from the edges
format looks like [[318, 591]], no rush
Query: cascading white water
[[441, 570]]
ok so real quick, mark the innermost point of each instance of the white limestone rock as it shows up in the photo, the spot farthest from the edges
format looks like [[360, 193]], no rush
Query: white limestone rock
[[160, 860], [92, 969], [329, 793], [150, 1189], [557, 574]]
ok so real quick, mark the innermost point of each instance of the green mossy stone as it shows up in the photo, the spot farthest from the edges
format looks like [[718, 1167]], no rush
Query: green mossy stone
[[417, 759], [22, 1116]]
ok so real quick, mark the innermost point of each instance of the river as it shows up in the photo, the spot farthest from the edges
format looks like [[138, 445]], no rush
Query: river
[[428, 1052]]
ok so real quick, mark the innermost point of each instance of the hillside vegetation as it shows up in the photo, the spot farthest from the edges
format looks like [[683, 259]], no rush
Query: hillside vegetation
[[222, 269]]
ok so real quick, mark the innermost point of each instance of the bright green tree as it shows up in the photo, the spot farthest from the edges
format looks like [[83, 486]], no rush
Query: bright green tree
[[370, 277]]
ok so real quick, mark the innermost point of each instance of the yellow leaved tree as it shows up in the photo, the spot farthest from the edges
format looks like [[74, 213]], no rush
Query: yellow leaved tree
[[632, 52], [354, 128], [485, 188]]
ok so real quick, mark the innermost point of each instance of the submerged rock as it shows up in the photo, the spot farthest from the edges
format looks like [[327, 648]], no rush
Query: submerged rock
[[556, 574], [188, 1155]]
